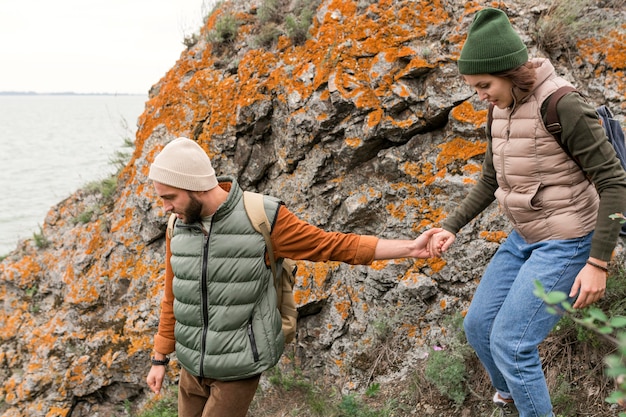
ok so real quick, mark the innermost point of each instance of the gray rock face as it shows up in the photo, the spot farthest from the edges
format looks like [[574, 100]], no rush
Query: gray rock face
[[365, 128]]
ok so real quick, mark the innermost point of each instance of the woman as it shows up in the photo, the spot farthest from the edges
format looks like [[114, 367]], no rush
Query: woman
[[562, 234]]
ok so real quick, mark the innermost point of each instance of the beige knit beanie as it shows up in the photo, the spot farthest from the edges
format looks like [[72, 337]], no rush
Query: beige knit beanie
[[183, 164]]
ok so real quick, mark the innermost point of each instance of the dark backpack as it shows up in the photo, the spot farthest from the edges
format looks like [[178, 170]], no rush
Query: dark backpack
[[612, 128]]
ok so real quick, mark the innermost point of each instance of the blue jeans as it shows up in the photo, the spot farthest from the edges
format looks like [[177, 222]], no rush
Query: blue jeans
[[506, 322]]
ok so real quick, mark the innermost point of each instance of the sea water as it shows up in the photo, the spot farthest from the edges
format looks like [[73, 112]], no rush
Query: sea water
[[52, 145]]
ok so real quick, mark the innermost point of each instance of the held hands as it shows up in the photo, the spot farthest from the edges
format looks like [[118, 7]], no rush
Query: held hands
[[395, 249], [440, 242], [420, 247]]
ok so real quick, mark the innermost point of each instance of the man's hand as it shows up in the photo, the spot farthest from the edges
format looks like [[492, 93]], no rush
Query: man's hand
[[396, 249], [590, 285], [155, 378], [420, 246]]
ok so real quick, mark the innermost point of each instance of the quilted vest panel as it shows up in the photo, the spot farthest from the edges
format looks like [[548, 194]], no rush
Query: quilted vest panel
[[541, 189], [227, 323]]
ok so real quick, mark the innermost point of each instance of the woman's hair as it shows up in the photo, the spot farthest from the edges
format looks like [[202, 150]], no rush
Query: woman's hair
[[522, 77]]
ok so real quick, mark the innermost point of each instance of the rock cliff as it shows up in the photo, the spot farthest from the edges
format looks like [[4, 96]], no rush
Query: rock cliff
[[364, 126]]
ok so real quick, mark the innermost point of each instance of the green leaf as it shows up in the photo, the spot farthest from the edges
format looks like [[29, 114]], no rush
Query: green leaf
[[539, 291], [598, 314], [615, 397], [555, 297], [605, 330], [618, 321], [552, 310], [586, 320]]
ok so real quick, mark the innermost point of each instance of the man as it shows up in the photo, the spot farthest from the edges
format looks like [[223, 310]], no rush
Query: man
[[216, 312]]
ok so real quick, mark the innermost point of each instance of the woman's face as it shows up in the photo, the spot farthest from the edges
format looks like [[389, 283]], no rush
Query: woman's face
[[495, 90]]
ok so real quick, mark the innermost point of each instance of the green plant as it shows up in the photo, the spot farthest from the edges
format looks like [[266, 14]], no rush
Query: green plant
[[446, 371], [31, 291], [268, 35], [85, 216], [372, 390], [121, 157], [41, 241], [612, 329], [271, 11], [226, 28], [445, 365], [562, 396], [165, 406], [297, 26]]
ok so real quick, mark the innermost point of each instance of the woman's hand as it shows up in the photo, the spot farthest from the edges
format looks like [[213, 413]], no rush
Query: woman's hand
[[589, 285], [440, 242]]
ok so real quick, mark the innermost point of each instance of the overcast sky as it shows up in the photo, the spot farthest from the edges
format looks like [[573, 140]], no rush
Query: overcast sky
[[93, 46]]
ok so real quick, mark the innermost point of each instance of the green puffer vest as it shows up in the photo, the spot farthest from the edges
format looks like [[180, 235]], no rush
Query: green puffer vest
[[227, 323]]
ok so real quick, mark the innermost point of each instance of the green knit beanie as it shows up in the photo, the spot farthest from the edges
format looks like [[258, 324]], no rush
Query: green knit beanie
[[492, 45]]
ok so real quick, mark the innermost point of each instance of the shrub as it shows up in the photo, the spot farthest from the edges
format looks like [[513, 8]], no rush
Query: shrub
[[41, 241], [446, 371], [297, 27], [564, 23], [612, 329], [226, 28]]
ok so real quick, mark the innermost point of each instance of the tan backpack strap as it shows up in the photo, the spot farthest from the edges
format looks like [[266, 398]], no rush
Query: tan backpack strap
[[170, 226], [253, 203]]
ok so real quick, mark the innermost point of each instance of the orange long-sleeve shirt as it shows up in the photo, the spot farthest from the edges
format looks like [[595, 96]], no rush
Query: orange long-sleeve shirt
[[291, 238]]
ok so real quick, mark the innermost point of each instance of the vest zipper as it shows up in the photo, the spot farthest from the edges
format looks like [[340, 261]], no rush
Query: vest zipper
[[503, 162], [205, 295], [255, 351]]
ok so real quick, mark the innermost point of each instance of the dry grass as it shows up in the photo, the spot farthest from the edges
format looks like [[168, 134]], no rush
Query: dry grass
[[574, 371], [567, 21], [573, 359]]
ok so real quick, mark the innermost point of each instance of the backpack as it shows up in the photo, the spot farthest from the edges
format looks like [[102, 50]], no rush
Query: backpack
[[283, 284], [612, 128]]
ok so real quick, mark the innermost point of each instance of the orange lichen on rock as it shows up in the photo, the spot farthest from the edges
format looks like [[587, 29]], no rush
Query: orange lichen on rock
[[608, 54], [471, 169], [311, 279], [459, 149], [466, 113], [497, 237], [14, 320], [21, 272], [396, 210], [610, 49], [353, 142], [58, 411], [379, 265], [343, 307]]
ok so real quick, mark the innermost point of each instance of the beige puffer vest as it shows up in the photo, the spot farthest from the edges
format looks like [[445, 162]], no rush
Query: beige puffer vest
[[541, 189]]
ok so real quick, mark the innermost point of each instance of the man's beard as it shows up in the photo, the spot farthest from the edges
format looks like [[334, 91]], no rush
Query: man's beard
[[193, 211]]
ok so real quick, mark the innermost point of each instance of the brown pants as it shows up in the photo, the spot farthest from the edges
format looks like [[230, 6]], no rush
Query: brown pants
[[205, 397]]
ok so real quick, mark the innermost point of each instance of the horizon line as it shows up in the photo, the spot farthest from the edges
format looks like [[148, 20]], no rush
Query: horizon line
[[65, 93]]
